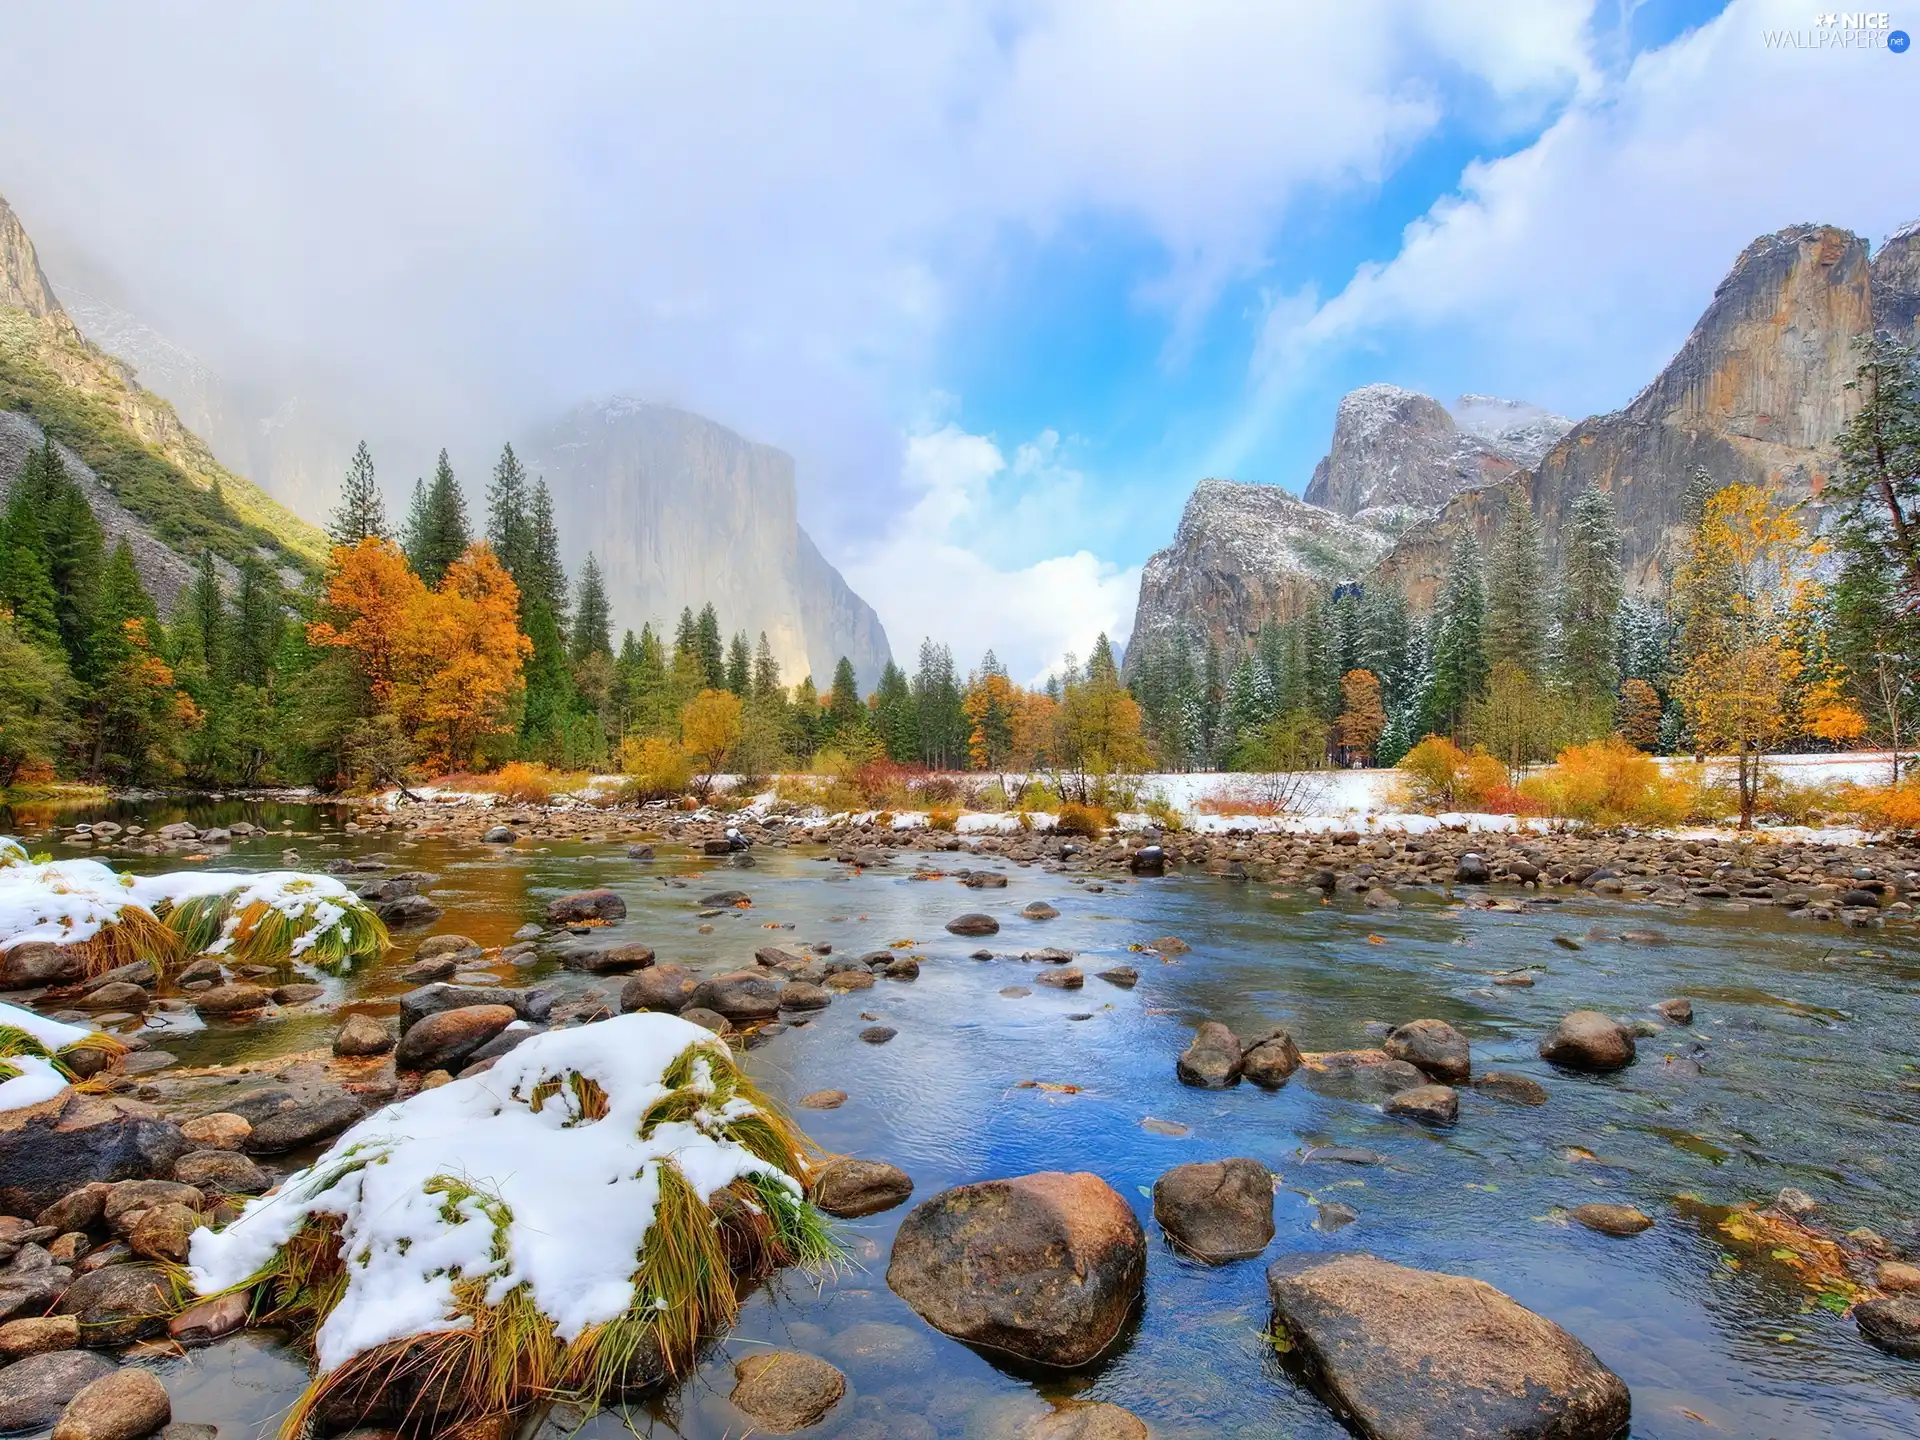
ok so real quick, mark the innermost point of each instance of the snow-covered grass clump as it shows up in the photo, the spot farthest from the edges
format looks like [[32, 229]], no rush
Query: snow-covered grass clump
[[38, 1055], [567, 1221], [271, 919]]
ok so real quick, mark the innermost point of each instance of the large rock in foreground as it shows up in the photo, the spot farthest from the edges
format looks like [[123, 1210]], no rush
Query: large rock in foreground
[[75, 1139], [1046, 1267], [1216, 1210], [1404, 1354]]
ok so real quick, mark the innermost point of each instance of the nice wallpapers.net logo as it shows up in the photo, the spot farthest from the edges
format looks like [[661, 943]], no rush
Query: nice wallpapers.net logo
[[1840, 31]]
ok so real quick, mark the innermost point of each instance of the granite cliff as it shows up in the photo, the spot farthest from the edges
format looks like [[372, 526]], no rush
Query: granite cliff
[[1756, 393], [681, 511]]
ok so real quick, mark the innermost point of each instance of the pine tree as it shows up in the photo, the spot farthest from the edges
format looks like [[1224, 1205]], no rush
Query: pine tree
[[938, 708], [1386, 643], [654, 701], [437, 531], [805, 718], [1513, 632], [766, 672], [592, 617], [1879, 476], [509, 524], [1459, 650], [711, 652], [1590, 598], [547, 578], [845, 713], [739, 665], [895, 716], [258, 621], [361, 514], [26, 569], [549, 686]]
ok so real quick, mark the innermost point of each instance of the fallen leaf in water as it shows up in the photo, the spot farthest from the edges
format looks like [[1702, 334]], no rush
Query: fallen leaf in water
[[743, 904], [1691, 1416], [1153, 1011], [1164, 1127], [771, 925], [1049, 1085], [1376, 939], [900, 944], [1576, 1154]]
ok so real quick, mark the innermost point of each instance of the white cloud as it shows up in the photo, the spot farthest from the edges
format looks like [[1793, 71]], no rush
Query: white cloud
[[927, 576], [1572, 270]]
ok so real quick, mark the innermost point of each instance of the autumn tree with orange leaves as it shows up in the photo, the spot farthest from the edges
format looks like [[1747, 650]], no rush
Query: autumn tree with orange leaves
[[445, 663]]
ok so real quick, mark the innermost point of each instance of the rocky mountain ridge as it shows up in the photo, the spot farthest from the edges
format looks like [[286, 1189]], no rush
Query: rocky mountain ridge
[[150, 479], [1756, 393]]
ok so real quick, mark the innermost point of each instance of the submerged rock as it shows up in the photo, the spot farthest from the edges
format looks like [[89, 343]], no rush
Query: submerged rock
[[1086, 1420], [784, 1390], [1892, 1323], [1216, 1210], [1515, 1089], [1406, 1354], [1429, 1104], [586, 905], [1046, 1267], [973, 924], [1620, 1220]]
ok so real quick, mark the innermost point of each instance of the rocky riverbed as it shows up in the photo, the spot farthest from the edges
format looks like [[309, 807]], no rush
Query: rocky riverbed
[[1654, 1090]]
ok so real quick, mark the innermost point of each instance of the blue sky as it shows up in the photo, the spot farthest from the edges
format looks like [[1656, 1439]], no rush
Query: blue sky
[[1006, 278]]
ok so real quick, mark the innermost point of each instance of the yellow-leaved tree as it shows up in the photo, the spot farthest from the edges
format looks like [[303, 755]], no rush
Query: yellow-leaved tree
[[1738, 592], [711, 727]]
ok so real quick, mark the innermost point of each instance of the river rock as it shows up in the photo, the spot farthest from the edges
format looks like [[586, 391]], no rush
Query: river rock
[[296, 994], [784, 1390], [49, 1149], [444, 1041], [1429, 1104], [1621, 1220], [973, 924], [1408, 1354], [1123, 976], [218, 1131], [220, 1172], [119, 1304], [407, 910], [843, 981], [799, 995], [208, 1320], [1891, 1322], [531, 1005], [1086, 1420], [286, 1117], [1678, 1011], [824, 1100], [878, 1034], [38, 962], [1216, 1210], [163, 1232], [1433, 1047], [233, 999], [1039, 910], [606, 959], [1368, 1075], [1270, 1058], [82, 1209], [1589, 1041], [436, 947], [1070, 977], [362, 1035], [35, 1390], [1213, 1061], [1472, 870], [662, 987], [1148, 860], [1514, 1089], [851, 1188], [119, 995], [1046, 1267], [127, 1200], [740, 995], [37, 1335], [586, 905], [126, 1405]]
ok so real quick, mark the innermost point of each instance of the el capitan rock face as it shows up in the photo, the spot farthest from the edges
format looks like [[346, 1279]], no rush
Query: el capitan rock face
[[1896, 284], [681, 511]]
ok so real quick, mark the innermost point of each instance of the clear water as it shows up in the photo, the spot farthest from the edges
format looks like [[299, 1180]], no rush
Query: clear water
[[1802, 1073]]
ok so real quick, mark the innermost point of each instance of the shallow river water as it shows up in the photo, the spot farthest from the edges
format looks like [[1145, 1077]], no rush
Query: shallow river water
[[1800, 1070]]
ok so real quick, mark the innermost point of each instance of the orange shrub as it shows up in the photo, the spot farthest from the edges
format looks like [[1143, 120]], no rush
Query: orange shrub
[[1438, 775], [523, 783], [1891, 807], [883, 782], [1089, 820], [942, 818], [1605, 782]]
